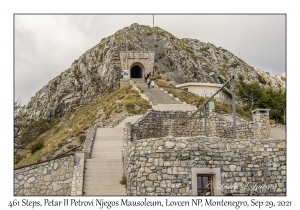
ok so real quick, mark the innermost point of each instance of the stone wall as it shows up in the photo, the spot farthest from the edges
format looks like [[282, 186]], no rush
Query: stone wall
[[261, 123], [61, 176], [48, 178], [89, 141], [169, 166], [169, 123], [142, 58]]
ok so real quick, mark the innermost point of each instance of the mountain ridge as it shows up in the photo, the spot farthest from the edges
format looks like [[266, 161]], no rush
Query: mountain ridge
[[96, 72]]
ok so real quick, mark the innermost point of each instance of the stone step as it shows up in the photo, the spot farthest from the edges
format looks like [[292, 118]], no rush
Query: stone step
[[117, 151], [108, 192], [110, 133], [106, 156], [131, 119], [110, 141], [103, 175], [96, 168], [104, 170], [108, 184], [111, 161], [99, 147], [174, 107], [155, 95], [109, 176]]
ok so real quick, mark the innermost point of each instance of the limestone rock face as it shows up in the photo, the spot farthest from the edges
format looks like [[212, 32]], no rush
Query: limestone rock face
[[96, 73]]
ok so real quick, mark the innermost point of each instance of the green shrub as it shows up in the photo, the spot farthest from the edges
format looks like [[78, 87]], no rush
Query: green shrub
[[36, 146], [82, 138], [78, 133], [123, 180], [70, 146], [60, 144], [18, 158]]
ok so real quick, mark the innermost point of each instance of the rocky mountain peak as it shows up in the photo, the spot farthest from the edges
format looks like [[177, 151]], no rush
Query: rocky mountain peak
[[96, 72]]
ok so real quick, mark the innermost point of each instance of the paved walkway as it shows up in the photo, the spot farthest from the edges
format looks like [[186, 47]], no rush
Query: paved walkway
[[155, 95], [104, 169], [161, 100]]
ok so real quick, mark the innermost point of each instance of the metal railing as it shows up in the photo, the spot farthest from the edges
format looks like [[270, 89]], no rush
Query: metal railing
[[213, 95]]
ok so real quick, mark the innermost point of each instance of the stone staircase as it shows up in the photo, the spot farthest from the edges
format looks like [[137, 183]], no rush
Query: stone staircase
[[161, 100], [155, 95], [103, 171]]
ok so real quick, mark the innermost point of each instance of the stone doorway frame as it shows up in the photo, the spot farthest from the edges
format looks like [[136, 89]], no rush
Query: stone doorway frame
[[144, 59]]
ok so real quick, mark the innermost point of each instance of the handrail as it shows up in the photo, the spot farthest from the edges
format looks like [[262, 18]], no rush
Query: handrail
[[193, 114]]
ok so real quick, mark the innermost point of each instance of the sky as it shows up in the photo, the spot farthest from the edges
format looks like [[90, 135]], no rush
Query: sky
[[46, 45]]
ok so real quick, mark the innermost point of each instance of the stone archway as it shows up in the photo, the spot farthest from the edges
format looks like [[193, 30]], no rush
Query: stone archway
[[137, 62], [136, 71]]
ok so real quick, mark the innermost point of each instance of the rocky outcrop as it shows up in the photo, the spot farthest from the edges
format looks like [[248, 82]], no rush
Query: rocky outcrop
[[96, 72]]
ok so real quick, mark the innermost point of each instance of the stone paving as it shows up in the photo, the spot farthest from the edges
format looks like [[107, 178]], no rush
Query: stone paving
[[155, 95]]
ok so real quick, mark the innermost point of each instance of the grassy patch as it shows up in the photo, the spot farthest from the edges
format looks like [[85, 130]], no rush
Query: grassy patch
[[182, 96], [163, 83], [82, 138], [36, 146], [220, 108], [155, 78]]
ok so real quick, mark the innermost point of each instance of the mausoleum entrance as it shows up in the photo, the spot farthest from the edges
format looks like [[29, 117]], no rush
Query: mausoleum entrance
[[137, 62], [136, 71]]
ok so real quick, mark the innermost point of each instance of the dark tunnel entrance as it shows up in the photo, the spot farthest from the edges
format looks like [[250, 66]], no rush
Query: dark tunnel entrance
[[136, 72]]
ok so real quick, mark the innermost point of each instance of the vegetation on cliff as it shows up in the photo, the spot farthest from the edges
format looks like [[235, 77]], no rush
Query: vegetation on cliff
[[66, 134]]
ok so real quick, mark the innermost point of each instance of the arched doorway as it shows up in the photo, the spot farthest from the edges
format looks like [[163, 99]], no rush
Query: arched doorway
[[136, 72]]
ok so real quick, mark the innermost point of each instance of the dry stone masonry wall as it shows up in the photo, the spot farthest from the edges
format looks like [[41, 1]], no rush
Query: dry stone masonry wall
[[49, 178], [165, 166], [169, 123], [62, 176]]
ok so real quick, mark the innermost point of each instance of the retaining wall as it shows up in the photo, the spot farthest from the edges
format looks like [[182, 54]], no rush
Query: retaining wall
[[48, 178], [168, 166], [169, 123], [62, 176]]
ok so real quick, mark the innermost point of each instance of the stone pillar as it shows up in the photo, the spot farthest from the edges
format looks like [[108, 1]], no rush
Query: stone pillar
[[127, 133], [88, 143], [261, 123], [78, 174]]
